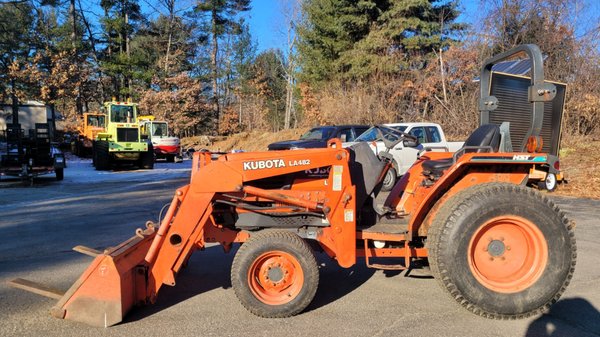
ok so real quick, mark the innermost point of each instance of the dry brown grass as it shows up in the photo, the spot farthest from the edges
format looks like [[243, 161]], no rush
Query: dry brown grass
[[247, 141], [580, 157], [580, 162]]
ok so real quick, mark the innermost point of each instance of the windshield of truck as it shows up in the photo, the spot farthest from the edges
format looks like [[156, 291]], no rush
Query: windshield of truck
[[317, 134], [122, 114], [96, 121], [367, 136], [159, 129]]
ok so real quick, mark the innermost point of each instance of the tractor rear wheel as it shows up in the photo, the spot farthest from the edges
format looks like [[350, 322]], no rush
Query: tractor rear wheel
[[501, 250], [101, 155], [275, 274]]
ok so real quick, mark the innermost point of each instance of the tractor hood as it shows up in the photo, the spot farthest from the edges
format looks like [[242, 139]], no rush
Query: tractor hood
[[298, 144]]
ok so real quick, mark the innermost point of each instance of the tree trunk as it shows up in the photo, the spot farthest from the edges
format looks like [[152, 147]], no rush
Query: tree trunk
[[215, 46], [443, 76], [127, 52], [171, 9], [94, 53], [73, 24]]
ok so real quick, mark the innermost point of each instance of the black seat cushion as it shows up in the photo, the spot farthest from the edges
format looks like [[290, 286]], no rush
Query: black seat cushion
[[437, 165], [365, 170], [483, 136]]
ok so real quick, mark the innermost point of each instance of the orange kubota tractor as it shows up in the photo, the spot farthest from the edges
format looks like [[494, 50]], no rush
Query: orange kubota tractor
[[498, 247]]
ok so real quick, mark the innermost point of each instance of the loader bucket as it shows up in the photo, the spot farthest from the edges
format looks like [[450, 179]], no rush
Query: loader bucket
[[110, 286]]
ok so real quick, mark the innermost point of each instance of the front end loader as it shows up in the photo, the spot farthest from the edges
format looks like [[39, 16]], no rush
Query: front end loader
[[121, 141], [500, 248]]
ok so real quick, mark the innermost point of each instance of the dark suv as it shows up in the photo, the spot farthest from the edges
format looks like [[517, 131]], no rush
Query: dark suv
[[318, 137]]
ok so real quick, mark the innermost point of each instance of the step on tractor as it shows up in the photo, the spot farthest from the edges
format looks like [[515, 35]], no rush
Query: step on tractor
[[90, 125], [165, 146], [121, 142], [501, 249]]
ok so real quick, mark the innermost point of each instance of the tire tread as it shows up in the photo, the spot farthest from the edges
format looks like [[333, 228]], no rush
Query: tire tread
[[453, 209]]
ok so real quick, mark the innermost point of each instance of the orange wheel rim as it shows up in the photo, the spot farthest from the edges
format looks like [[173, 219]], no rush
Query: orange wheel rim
[[275, 277], [508, 254]]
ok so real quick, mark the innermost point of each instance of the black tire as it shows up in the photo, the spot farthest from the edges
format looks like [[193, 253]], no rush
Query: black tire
[[147, 158], [74, 148], [101, 155], [549, 184], [389, 180], [297, 280], [94, 153], [458, 262], [170, 158], [60, 174], [81, 150]]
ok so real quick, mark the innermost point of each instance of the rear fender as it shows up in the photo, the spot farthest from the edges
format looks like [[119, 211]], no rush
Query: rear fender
[[471, 169]]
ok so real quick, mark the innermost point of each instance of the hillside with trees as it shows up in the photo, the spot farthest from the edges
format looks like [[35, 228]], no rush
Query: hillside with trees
[[197, 65]]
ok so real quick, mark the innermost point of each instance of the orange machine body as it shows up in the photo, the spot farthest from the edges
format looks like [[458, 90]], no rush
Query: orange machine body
[[308, 184]]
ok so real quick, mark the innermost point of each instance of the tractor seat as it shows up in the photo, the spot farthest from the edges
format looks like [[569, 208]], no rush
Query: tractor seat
[[365, 170], [484, 136]]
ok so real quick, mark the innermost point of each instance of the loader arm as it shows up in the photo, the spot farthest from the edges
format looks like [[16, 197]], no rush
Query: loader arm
[[133, 272]]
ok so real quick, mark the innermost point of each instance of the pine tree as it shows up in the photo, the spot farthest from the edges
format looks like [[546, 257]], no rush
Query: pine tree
[[220, 19], [352, 39]]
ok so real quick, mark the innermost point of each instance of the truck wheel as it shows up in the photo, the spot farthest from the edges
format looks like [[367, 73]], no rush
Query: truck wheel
[[147, 158], [170, 158], [389, 180], [549, 184], [94, 153], [275, 274], [101, 155], [60, 174], [502, 251], [74, 149]]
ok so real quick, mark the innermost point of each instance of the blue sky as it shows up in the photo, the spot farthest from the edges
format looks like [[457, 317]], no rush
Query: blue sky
[[265, 18]]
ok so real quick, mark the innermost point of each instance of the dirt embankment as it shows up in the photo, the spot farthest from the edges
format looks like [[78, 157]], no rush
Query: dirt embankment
[[580, 157], [580, 161], [247, 141]]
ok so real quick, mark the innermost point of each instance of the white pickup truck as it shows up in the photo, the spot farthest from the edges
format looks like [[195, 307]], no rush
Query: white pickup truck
[[430, 136]]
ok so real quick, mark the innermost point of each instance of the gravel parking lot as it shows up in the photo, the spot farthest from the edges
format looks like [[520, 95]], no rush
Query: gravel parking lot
[[40, 225]]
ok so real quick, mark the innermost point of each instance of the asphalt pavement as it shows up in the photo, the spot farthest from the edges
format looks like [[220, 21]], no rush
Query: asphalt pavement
[[39, 225]]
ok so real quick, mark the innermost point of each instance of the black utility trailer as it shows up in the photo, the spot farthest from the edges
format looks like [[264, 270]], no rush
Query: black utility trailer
[[28, 150]]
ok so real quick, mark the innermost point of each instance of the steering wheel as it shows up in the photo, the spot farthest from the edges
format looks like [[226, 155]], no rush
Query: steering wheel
[[391, 137]]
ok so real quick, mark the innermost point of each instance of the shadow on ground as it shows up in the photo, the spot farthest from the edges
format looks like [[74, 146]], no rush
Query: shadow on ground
[[210, 269], [563, 316]]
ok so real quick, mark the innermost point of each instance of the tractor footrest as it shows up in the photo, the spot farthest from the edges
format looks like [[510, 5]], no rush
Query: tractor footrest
[[36, 288], [87, 251], [388, 228], [386, 266]]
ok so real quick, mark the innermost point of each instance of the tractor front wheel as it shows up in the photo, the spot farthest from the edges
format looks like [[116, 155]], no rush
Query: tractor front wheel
[[101, 155], [146, 160], [275, 274], [502, 250]]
